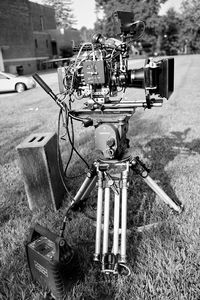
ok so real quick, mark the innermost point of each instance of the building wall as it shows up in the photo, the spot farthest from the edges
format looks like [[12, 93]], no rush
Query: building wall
[[42, 17], [16, 37], [42, 44], [65, 40], [28, 36], [23, 37]]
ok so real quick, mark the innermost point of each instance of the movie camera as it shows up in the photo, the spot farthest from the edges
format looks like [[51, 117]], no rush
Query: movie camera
[[103, 69], [100, 76]]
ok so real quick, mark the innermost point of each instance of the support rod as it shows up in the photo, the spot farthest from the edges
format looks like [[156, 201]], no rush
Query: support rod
[[99, 217], [124, 216], [106, 220], [116, 224]]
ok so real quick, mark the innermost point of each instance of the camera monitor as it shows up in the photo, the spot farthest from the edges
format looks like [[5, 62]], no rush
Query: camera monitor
[[123, 23]]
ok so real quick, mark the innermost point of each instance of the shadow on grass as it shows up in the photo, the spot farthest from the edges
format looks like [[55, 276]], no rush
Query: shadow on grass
[[142, 206], [160, 151]]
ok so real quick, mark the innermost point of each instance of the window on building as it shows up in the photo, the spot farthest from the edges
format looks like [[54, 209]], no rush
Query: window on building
[[54, 47], [42, 23], [36, 43]]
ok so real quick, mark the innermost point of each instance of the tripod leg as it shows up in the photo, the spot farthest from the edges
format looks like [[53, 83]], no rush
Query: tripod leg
[[141, 169], [86, 186], [153, 185], [116, 224], [106, 220], [124, 215], [99, 217]]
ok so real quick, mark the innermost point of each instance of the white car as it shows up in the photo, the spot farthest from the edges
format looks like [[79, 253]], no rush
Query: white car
[[10, 82]]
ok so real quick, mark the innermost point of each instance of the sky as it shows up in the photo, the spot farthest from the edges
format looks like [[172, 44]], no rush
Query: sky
[[84, 11], [170, 3]]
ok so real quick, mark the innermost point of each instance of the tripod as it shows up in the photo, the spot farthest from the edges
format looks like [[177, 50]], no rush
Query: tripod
[[111, 125], [101, 173]]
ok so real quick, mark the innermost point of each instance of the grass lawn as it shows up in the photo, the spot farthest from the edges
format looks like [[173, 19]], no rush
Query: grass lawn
[[165, 261]]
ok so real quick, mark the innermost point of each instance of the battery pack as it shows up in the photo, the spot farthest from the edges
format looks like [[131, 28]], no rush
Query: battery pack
[[52, 262]]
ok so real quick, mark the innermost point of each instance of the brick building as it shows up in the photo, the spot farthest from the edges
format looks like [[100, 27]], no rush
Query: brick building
[[25, 35]]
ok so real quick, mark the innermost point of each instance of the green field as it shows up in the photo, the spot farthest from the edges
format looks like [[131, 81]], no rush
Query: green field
[[165, 261]]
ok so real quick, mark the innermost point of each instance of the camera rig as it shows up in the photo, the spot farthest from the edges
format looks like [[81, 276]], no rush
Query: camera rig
[[100, 75]]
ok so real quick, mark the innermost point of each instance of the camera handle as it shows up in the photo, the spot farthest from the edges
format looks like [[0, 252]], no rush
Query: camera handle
[[114, 261]]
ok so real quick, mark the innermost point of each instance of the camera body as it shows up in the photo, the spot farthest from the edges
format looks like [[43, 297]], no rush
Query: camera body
[[102, 71]]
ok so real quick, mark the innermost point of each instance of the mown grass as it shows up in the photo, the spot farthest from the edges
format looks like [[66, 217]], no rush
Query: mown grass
[[165, 260]]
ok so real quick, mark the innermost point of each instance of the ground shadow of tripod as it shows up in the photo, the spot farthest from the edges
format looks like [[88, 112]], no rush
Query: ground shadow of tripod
[[162, 150], [159, 151]]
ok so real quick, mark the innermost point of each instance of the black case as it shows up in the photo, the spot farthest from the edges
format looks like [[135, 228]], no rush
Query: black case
[[52, 262]]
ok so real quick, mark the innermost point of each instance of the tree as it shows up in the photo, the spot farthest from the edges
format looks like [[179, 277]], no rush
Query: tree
[[146, 10], [86, 34], [170, 32], [63, 11], [190, 31]]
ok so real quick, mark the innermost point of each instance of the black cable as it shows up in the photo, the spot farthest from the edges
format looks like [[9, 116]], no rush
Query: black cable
[[72, 148], [71, 153], [72, 144], [67, 115], [59, 159]]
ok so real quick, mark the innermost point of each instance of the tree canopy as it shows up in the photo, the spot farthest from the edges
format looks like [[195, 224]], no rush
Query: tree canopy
[[190, 31], [63, 12], [170, 26], [145, 10], [174, 32]]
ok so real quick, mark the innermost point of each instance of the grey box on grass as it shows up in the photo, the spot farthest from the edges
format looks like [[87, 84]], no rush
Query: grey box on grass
[[38, 157]]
